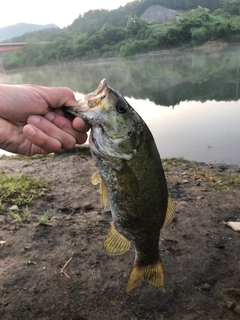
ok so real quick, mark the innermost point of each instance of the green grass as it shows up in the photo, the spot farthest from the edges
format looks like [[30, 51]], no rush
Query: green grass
[[170, 162], [2, 206], [21, 216], [44, 219], [16, 217], [26, 214], [218, 181], [28, 261], [20, 189]]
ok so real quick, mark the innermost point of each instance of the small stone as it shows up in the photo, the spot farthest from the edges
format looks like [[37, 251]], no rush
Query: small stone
[[88, 206], [234, 225], [237, 309], [2, 243], [206, 287], [231, 305], [185, 181], [92, 215], [181, 205], [14, 208], [234, 291]]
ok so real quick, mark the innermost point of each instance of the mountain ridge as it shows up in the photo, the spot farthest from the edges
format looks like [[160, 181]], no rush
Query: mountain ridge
[[16, 30]]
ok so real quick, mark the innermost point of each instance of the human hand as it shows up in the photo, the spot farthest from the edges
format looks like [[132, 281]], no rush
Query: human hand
[[31, 120]]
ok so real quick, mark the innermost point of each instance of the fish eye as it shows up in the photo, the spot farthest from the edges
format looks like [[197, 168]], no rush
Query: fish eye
[[121, 108]]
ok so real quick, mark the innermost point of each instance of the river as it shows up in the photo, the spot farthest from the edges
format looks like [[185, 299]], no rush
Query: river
[[190, 100]]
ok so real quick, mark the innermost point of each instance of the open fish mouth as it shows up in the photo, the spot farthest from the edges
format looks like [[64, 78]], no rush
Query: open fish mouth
[[89, 101]]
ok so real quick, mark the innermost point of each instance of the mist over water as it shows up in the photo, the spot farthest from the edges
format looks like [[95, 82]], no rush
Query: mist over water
[[190, 100]]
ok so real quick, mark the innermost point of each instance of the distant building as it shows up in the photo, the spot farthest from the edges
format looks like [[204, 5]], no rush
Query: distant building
[[159, 14]]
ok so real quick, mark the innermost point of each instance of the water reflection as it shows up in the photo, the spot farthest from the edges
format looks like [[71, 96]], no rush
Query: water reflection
[[164, 79], [189, 99], [207, 132]]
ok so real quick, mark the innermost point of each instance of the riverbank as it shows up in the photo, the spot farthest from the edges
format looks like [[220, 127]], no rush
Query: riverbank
[[208, 46], [59, 270]]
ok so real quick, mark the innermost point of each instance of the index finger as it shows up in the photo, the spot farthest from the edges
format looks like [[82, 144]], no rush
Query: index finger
[[56, 97]]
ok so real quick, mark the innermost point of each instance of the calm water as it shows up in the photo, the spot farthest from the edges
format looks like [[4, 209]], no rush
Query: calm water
[[190, 100]]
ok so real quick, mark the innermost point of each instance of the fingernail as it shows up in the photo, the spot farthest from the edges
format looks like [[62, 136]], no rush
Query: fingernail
[[31, 131], [33, 119], [49, 116]]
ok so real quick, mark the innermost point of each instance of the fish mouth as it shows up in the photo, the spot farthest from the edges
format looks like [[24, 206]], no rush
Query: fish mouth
[[90, 106], [88, 102]]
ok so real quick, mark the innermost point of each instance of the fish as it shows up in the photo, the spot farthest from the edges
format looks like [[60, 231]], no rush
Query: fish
[[131, 179]]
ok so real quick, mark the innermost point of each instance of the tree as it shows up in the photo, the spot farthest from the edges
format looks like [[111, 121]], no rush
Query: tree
[[136, 26], [199, 35], [112, 34], [232, 6]]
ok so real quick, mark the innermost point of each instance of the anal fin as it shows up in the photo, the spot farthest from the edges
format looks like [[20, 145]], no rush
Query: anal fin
[[115, 242], [153, 274]]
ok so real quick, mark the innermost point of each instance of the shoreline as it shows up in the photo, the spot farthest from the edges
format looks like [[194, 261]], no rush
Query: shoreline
[[206, 47], [5, 155]]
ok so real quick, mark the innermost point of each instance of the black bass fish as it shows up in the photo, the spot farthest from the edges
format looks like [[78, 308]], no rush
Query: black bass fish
[[131, 178]]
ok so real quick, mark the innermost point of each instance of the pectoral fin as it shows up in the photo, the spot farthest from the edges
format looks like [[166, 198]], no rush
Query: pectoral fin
[[116, 243], [97, 179], [153, 274], [170, 213]]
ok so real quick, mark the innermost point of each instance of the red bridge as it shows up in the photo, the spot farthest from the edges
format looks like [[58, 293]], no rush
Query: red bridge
[[4, 47]]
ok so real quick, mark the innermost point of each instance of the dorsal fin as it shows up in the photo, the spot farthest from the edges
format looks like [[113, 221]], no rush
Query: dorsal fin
[[115, 242], [170, 213]]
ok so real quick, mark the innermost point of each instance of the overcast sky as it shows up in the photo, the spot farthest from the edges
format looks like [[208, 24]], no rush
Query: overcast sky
[[60, 12]]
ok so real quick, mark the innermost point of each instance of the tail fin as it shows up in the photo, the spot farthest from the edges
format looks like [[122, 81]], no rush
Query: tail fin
[[153, 274]]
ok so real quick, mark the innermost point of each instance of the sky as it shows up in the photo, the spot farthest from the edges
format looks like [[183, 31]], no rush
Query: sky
[[61, 13]]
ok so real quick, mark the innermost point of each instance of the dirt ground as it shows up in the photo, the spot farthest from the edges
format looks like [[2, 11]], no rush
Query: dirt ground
[[200, 252]]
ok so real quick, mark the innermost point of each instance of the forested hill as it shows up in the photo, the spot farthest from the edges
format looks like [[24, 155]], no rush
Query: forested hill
[[121, 32], [96, 19], [119, 17]]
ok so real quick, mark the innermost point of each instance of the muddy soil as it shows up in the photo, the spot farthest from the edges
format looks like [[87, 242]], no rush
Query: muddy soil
[[60, 271]]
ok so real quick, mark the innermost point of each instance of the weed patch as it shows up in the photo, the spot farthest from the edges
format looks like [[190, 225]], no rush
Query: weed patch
[[218, 181], [20, 189]]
